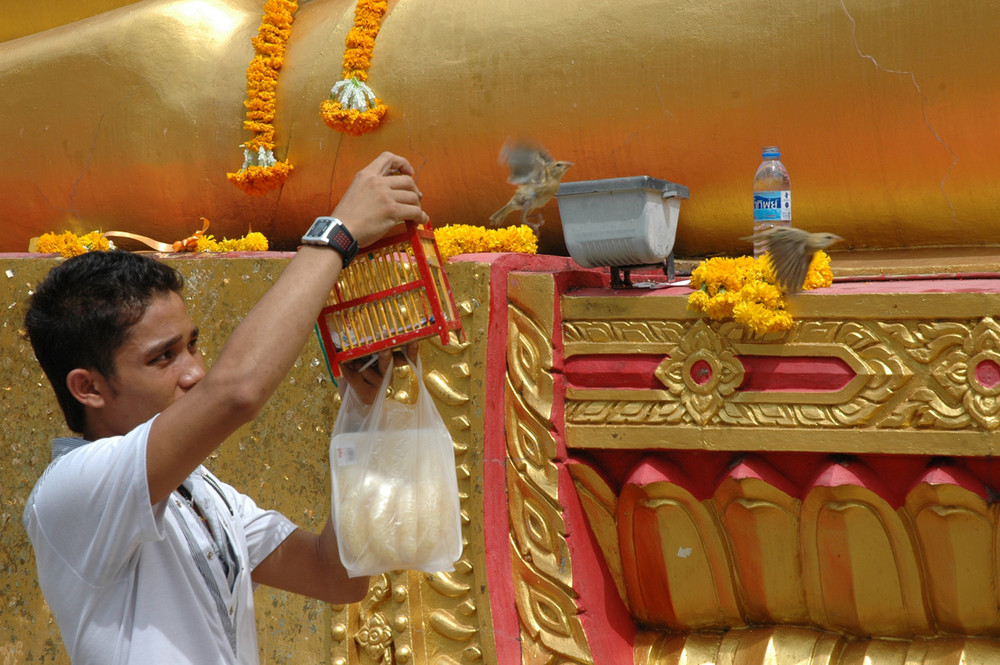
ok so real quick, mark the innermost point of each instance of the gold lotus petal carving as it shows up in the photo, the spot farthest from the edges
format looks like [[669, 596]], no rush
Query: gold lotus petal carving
[[598, 500], [677, 571], [954, 529], [448, 626], [762, 525], [862, 573], [841, 560], [787, 645], [443, 389]]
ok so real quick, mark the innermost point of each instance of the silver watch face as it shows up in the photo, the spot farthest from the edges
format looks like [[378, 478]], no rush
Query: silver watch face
[[320, 228]]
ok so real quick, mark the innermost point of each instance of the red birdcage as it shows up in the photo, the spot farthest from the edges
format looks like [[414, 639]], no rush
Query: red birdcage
[[394, 292]]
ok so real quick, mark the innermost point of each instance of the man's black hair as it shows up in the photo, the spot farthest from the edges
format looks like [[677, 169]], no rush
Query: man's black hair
[[81, 313]]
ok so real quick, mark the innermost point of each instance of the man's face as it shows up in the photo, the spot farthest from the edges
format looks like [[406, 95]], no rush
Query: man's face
[[158, 363]]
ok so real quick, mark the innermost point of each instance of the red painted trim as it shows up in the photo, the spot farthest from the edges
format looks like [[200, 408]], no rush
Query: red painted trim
[[614, 371], [794, 374], [763, 373]]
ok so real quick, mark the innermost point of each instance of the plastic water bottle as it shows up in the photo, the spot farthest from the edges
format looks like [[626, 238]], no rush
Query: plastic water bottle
[[772, 195]]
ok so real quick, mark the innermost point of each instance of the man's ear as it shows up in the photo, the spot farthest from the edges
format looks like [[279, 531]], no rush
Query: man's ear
[[86, 386]]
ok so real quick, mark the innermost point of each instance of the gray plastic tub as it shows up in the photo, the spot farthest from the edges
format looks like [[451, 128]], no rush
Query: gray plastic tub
[[620, 221]]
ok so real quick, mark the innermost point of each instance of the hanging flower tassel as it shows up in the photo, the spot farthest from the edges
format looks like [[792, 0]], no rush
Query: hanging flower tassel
[[261, 171], [353, 107]]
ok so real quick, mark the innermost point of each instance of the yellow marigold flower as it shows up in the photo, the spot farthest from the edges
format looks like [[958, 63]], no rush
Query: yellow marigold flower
[[465, 239], [764, 293], [95, 242], [254, 242], [65, 244], [206, 242], [251, 242], [351, 121], [745, 289], [520, 239], [447, 242], [259, 180], [698, 300], [761, 319], [820, 273], [720, 306]]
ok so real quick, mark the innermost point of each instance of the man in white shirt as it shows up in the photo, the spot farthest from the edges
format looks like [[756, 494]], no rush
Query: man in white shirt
[[142, 554]]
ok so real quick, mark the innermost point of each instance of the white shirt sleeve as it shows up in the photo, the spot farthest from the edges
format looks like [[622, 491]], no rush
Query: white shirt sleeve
[[92, 506]]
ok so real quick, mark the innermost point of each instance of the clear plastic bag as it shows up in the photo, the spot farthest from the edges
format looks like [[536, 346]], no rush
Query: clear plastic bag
[[395, 488]]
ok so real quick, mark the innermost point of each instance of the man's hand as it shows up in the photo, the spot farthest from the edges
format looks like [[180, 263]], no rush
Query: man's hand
[[366, 379], [381, 195]]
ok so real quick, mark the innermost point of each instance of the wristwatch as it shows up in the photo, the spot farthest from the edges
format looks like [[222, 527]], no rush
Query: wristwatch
[[331, 232]]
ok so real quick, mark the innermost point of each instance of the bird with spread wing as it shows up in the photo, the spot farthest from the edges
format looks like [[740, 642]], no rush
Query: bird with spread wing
[[537, 178], [792, 251]]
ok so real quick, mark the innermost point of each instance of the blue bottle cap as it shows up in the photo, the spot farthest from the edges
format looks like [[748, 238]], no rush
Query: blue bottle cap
[[771, 152]]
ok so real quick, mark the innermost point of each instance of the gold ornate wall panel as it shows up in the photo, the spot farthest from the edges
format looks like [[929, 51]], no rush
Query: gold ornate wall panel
[[915, 369], [821, 496]]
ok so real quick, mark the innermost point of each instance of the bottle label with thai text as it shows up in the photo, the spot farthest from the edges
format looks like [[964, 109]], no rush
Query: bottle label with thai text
[[772, 206]]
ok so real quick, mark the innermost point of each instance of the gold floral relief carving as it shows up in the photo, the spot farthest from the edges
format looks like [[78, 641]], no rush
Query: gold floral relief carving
[[542, 568], [373, 636], [907, 374], [531, 448], [550, 625], [621, 334], [702, 372], [551, 630], [529, 361], [537, 530]]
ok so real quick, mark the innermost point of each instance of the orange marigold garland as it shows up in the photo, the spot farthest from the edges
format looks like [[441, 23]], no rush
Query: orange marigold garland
[[261, 172], [68, 244], [353, 108]]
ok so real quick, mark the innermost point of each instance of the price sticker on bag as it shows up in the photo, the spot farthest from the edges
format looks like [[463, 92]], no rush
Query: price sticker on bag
[[345, 454]]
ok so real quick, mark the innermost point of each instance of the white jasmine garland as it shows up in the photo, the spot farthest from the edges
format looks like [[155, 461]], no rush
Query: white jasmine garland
[[353, 94], [263, 157]]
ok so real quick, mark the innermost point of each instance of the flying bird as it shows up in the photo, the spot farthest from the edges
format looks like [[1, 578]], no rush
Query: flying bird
[[537, 178], [792, 251]]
